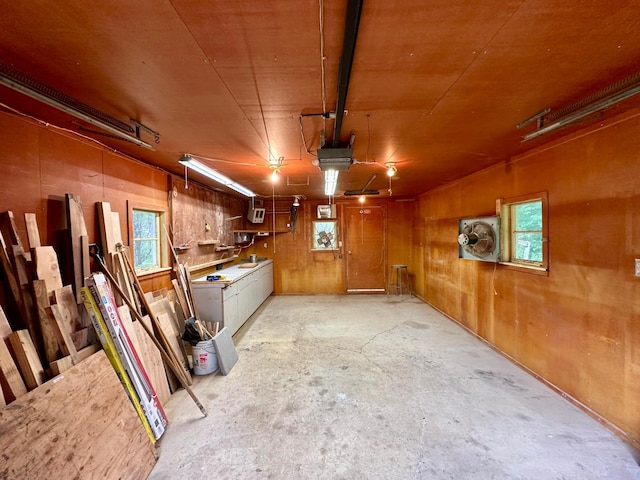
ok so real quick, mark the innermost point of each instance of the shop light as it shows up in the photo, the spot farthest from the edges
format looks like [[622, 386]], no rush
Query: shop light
[[330, 182], [189, 162]]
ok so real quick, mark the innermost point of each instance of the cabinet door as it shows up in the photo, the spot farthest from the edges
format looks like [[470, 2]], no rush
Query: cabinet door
[[231, 314], [208, 299]]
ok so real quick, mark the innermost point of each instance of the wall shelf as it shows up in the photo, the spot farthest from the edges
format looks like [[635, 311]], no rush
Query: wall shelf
[[258, 232], [203, 243], [225, 248]]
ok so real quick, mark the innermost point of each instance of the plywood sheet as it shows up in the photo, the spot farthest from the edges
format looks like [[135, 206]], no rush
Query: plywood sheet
[[152, 362], [80, 425]]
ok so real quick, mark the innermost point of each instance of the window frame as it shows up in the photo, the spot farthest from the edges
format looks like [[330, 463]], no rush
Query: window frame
[[162, 244], [507, 234]]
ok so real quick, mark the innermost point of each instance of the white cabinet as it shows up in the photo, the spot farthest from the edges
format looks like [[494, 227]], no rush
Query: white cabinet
[[234, 300]]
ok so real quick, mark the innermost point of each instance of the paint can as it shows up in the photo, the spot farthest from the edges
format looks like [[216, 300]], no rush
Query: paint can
[[253, 258], [204, 358]]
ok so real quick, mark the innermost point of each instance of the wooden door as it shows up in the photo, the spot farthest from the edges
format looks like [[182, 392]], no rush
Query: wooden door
[[365, 239]]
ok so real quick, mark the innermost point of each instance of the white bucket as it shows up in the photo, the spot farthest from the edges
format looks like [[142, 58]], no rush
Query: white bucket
[[204, 358]]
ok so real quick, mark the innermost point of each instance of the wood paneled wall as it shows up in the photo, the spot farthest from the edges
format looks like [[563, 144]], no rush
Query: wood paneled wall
[[40, 164], [299, 270], [578, 327]]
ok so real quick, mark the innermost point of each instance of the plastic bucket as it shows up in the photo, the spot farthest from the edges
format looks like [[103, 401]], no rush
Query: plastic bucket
[[204, 358]]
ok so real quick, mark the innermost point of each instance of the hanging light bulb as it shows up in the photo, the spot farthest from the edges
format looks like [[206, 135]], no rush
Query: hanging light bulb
[[274, 176], [391, 169], [361, 198]]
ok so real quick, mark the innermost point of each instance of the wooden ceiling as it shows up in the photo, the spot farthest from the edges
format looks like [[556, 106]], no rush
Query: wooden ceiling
[[437, 87]]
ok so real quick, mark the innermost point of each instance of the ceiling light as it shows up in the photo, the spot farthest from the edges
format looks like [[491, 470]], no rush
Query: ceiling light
[[296, 201], [274, 176], [362, 198], [330, 181], [391, 169], [189, 162]]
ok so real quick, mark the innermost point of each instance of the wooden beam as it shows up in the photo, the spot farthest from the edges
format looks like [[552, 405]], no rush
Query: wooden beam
[[27, 358], [80, 425], [9, 229], [65, 298], [33, 233], [49, 337], [5, 328], [47, 267], [10, 276], [10, 378], [62, 319], [65, 363], [25, 274], [77, 229]]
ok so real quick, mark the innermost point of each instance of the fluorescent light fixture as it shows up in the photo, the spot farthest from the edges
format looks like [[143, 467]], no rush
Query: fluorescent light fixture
[[189, 162], [330, 181], [15, 80]]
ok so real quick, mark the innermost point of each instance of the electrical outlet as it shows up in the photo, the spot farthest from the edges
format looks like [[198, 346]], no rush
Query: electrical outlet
[[637, 274], [265, 244]]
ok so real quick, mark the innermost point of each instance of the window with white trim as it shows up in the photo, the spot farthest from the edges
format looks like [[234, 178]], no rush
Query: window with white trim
[[148, 241], [524, 231]]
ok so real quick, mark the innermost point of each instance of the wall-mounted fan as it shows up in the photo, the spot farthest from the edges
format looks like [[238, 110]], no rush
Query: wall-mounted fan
[[478, 239]]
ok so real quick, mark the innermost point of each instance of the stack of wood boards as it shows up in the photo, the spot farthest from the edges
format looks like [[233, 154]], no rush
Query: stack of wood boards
[[43, 331], [80, 425], [168, 317], [46, 332]]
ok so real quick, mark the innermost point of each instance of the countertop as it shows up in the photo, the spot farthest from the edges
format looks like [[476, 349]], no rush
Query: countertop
[[230, 274]]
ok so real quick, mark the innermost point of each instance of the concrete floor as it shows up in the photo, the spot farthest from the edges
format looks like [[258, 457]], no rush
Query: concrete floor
[[361, 387]]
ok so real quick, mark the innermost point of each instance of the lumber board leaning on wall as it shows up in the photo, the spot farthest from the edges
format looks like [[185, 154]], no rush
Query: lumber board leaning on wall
[[78, 425]]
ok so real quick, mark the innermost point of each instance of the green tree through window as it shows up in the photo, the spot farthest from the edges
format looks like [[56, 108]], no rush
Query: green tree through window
[[527, 231], [146, 239]]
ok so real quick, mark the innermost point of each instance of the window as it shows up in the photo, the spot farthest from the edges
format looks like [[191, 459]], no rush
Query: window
[[148, 241], [524, 231], [324, 236]]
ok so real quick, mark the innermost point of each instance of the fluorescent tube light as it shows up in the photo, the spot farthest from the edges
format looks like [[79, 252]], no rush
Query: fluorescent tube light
[[189, 162], [8, 79], [330, 181]]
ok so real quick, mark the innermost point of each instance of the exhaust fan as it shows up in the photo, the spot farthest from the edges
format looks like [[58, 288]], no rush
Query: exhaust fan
[[478, 239]]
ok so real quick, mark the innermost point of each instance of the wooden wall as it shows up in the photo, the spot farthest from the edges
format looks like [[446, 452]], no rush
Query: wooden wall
[[195, 207], [299, 270], [578, 327], [40, 164]]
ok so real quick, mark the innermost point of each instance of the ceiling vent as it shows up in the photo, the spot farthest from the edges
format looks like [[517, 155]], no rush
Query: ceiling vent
[[335, 158]]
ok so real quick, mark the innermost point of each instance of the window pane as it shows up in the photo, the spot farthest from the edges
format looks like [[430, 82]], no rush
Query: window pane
[[528, 216], [145, 253], [528, 246], [144, 224]]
